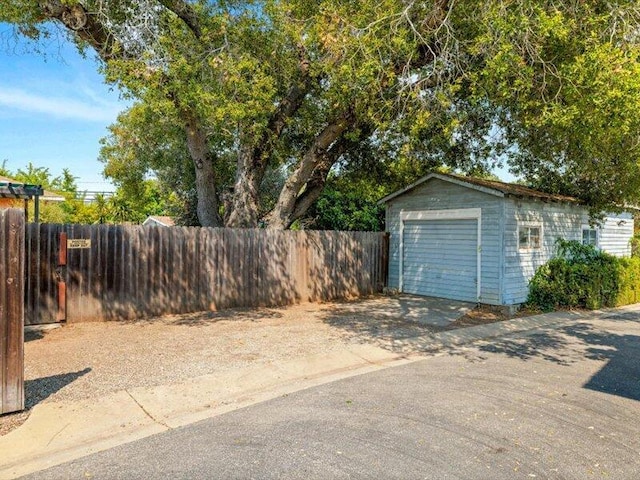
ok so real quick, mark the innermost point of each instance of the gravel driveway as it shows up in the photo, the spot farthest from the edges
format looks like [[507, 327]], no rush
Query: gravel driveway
[[92, 359], [88, 360]]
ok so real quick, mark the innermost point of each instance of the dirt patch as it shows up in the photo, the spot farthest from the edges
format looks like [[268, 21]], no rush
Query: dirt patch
[[481, 315], [392, 321], [485, 314]]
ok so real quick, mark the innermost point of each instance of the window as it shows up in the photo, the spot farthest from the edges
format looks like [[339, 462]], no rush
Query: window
[[589, 236], [529, 237]]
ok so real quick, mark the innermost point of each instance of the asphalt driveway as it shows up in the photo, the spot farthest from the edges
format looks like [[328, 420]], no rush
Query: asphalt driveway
[[560, 402]]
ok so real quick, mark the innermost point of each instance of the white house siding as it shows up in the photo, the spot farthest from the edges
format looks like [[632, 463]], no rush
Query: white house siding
[[558, 220], [615, 233], [436, 194]]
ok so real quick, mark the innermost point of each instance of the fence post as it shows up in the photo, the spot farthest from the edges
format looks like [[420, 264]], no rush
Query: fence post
[[385, 260], [12, 273]]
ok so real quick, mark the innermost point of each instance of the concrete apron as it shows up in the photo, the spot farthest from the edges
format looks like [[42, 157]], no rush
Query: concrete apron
[[59, 432]]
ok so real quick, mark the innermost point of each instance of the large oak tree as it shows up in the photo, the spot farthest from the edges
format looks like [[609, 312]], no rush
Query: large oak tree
[[279, 92]]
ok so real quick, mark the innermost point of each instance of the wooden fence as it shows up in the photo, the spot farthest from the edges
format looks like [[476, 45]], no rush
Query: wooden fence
[[127, 272], [11, 310]]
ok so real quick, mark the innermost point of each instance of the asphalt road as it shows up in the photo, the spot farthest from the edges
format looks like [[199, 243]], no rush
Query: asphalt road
[[560, 403]]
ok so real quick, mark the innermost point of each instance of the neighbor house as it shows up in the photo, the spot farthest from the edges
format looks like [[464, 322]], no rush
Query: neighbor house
[[159, 221], [15, 194], [481, 241]]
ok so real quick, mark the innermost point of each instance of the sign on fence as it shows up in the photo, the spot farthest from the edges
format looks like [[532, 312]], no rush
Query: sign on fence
[[79, 243]]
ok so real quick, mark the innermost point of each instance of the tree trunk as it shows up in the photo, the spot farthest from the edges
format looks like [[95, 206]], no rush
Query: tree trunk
[[245, 201], [254, 154], [208, 203], [315, 185], [281, 217], [312, 191]]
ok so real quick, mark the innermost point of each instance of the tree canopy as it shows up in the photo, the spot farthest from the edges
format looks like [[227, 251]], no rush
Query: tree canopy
[[248, 108]]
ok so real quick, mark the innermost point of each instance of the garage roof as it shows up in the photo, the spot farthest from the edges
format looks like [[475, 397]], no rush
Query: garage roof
[[493, 187]]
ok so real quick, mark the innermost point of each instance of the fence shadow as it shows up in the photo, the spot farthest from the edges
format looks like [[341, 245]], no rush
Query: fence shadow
[[31, 335], [40, 389], [206, 318]]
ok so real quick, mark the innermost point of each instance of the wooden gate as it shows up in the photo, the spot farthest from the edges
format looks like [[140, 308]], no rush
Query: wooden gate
[[45, 292], [11, 310]]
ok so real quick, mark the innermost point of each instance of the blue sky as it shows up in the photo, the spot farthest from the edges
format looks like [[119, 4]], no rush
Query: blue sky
[[54, 108]]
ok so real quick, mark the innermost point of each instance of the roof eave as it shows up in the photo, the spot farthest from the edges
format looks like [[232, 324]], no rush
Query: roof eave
[[570, 201], [20, 190], [154, 221]]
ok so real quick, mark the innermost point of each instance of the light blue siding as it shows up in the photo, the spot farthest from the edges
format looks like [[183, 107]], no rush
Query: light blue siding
[[440, 258], [557, 220], [437, 194], [505, 268]]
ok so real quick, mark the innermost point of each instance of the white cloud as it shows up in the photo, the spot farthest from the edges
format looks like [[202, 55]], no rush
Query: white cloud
[[59, 107]]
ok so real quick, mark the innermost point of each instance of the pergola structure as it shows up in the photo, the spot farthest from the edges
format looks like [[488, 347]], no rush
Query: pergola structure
[[22, 191]]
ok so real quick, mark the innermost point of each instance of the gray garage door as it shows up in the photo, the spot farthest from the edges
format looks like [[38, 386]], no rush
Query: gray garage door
[[440, 258]]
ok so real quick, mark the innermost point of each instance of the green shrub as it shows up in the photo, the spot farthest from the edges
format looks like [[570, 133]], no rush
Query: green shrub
[[579, 276], [635, 245], [629, 281]]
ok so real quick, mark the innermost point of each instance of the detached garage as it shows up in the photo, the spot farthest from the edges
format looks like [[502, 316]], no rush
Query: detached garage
[[481, 241]]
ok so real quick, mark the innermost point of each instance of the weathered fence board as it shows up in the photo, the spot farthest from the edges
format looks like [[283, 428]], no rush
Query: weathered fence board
[[135, 272], [12, 271]]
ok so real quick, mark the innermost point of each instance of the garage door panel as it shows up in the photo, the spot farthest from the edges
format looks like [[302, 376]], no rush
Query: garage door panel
[[442, 253], [440, 258], [460, 280], [451, 248], [453, 292], [450, 270]]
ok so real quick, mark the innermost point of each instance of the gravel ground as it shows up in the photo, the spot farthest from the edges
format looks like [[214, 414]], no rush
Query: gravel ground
[[86, 360]]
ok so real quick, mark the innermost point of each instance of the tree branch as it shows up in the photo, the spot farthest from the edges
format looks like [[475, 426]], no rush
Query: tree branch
[[318, 179], [85, 24], [253, 156], [186, 13], [287, 107], [316, 154]]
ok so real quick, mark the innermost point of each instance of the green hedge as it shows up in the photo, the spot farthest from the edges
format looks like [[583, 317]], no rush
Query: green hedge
[[629, 278], [581, 276]]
